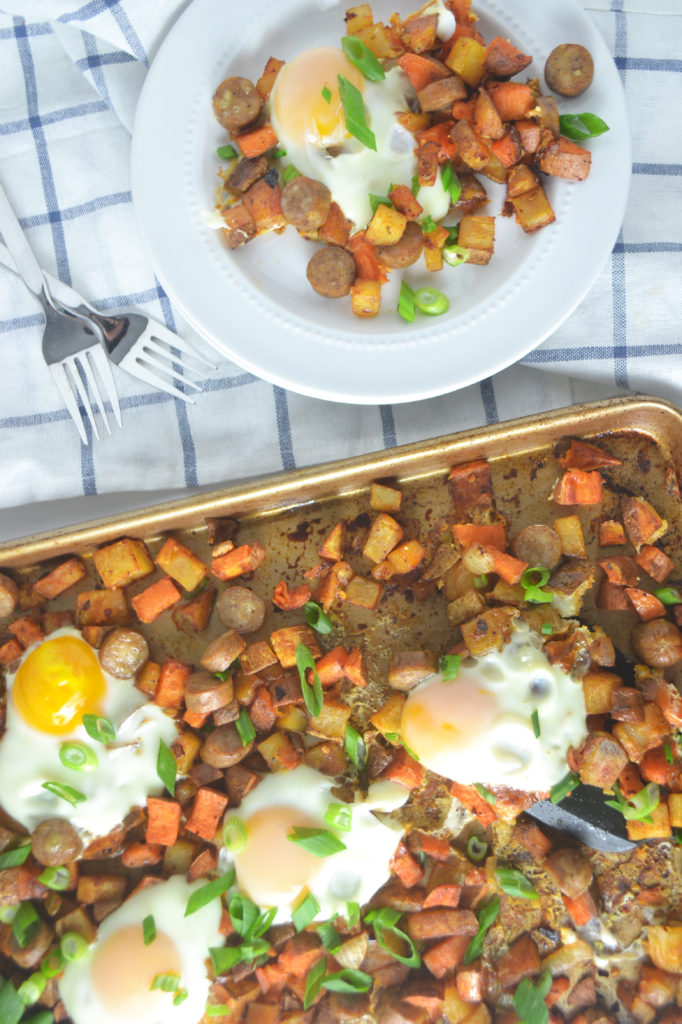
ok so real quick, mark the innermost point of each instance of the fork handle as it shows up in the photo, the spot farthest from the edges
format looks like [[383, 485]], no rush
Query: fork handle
[[17, 243]]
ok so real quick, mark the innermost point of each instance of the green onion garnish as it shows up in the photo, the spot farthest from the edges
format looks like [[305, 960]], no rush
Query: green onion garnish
[[352, 914], [180, 996], [339, 816], [449, 666], [384, 921], [514, 883], [25, 924], [243, 915], [306, 911], [563, 787], [32, 988], [485, 917], [582, 126], [450, 182], [244, 727], [326, 94], [218, 1010], [319, 841], [535, 722], [376, 201], [15, 858], [547, 628], [166, 982], [224, 958], [226, 152], [148, 930], [235, 834], [289, 173], [455, 254], [329, 937], [99, 729], [11, 1006], [355, 747], [209, 892], [354, 113], [529, 999], [476, 849], [639, 806], [166, 767], [363, 58], [395, 737], [431, 301], [52, 963], [56, 878], [68, 793], [312, 695], [485, 793], [406, 302], [73, 946], [532, 580], [78, 756], [667, 750], [668, 595], [313, 983], [428, 224], [277, 154], [480, 582], [347, 980], [415, 187], [317, 618]]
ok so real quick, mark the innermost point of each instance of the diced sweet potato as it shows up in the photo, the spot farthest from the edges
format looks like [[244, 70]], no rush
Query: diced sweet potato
[[205, 812], [405, 202], [563, 158], [642, 522], [267, 79], [155, 599], [194, 616], [60, 579], [334, 543], [243, 559], [263, 202], [240, 226]]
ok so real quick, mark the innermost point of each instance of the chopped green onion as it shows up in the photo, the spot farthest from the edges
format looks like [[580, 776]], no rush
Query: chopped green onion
[[547, 628], [481, 581], [485, 793], [313, 983], [73, 946], [99, 729], [535, 721], [415, 187], [227, 152], [339, 816], [449, 666], [254, 949], [224, 958], [582, 126], [317, 618], [313, 697], [44, 1017], [289, 173], [277, 154], [218, 1010], [15, 858], [244, 727], [11, 1006], [395, 737], [222, 676], [68, 793], [32, 988], [52, 963], [148, 930], [431, 301], [352, 914], [78, 756], [329, 937], [25, 924], [450, 182], [347, 980], [485, 917], [406, 302], [355, 747], [514, 883], [180, 996], [384, 921], [263, 922], [306, 912], [428, 224], [362, 58], [529, 999], [166, 982], [532, 580], [354, 113], [235, 834], [453, 233], [243, 914], [455, 254], [639, 806], [209, 892], [8, 912], [376, 201], [476, 849], [326, 94], [563, 787], [668, 595], [56, 878], [667, 750], [677, 832], [319, 841], [166, 767]]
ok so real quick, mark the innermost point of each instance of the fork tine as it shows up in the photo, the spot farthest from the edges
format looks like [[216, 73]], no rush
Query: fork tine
[[60, 377], [86, 367], [168, 337], [103, 367], [143, 373], [153, 358], [83, 396]]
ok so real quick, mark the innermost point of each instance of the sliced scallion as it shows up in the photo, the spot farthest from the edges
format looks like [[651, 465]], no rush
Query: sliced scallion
[[68, 793], [244, 727], [339, 816], [11, 1006], [329, 937], [226, 152], [355, 747], [148, 929], [582, 126], [406, 302], [562, 788], [485, 916], [385, 923], [376, 201], [352, 914], [348, 980], [529, 999], [313, 697], [354, 113], [449, 666], [235, 834], [289, 173], [317, 618], [166, 767], [73, 946], [56, 878], [514, 883], [99, 729], [25, 924], [306, 912], [16, 857], [476, 849], [431, 301], [362, 58], [535, 722], [326, 94], [180, 996], [668, 595], [450, 182], [313, 983], [485, 793], [52, 963], [319, 841], [638, 807], [209, 892], [32, 988], [224, 958], [78, 756], [166, 982], [455, 254]]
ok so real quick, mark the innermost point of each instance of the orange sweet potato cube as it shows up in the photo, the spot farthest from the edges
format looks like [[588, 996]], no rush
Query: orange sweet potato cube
[[61, 578], [285, 641], [155, 599], [123, 562], [181, 565]]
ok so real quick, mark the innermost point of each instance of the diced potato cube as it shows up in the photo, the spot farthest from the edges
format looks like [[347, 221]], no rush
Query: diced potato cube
[[659, 828], [279, 752], [332, 720], [433, 259], [334, 543], [147, 679], [185, 749], [675, 809], [181, 565], [571, 535], [123, 562], [256, 657], [419, 32], [365, 297], [327, 757], [665, 946], [102, 608], [466, 59], [384, 534], [387, 718], [285, 641], [386, 226], [383, 498], [357, 18], [533, 210], [477, 234], [379, 41], [597, 690], [464, 607], [293, 720], [489, 631], [364, 593]]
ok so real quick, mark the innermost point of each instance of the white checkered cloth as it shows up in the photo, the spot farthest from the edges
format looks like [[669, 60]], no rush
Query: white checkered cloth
[[70, 76]]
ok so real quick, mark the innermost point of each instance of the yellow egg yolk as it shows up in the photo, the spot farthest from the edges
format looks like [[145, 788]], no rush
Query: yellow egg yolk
[[123, 970], [306, 106], [444, 718], [57, 684], [271, 863]]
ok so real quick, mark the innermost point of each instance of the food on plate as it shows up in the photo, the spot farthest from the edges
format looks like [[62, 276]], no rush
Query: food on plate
[[377, 148], [351, 707]]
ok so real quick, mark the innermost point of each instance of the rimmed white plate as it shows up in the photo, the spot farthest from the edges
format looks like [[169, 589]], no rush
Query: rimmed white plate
[[255, 305]]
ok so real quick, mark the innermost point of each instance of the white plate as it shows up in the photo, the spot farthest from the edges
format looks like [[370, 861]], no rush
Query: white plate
[[255, 305]]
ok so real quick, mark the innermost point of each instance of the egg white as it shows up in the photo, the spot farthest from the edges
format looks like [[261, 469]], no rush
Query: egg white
[[125, 774], [191, 938], [479, 727], [353, 874]]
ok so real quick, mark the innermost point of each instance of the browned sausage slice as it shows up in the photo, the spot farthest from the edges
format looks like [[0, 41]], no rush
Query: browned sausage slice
[[538, 544], [658, 643], [406, 251], [224, 747], [205, 693], [246, 173], [241, 609], [236, 103], [569, 69], [305, 203], [55, 842], [9, 596], [123, 652], [331, 272], [221, 652]]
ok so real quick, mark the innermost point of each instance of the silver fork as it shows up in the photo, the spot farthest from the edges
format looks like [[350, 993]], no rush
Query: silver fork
[[73, 347]]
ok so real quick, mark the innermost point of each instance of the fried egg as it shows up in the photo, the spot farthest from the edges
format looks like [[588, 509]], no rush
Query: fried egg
[[112, 982], [273, 871], [307, 115], [58, 681], [479, 727]]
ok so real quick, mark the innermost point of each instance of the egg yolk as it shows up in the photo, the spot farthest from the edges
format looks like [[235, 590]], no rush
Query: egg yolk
[[272, 868], [123, 970], [443, 718], [306, 106], [57, 683]]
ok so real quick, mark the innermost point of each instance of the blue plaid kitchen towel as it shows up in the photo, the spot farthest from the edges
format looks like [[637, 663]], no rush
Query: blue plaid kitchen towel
[[70, 77]]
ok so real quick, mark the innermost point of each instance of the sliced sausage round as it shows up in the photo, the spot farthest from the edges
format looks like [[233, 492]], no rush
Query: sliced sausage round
[[571, 871], [404, 252], [305, 203], [538, 545], [9, 596], [224, 747], [569, 69], [236, 103], [241, 609], [658, 643], [331, 272], [55, 843], [220, 653], [123, 652], [205, 693]]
